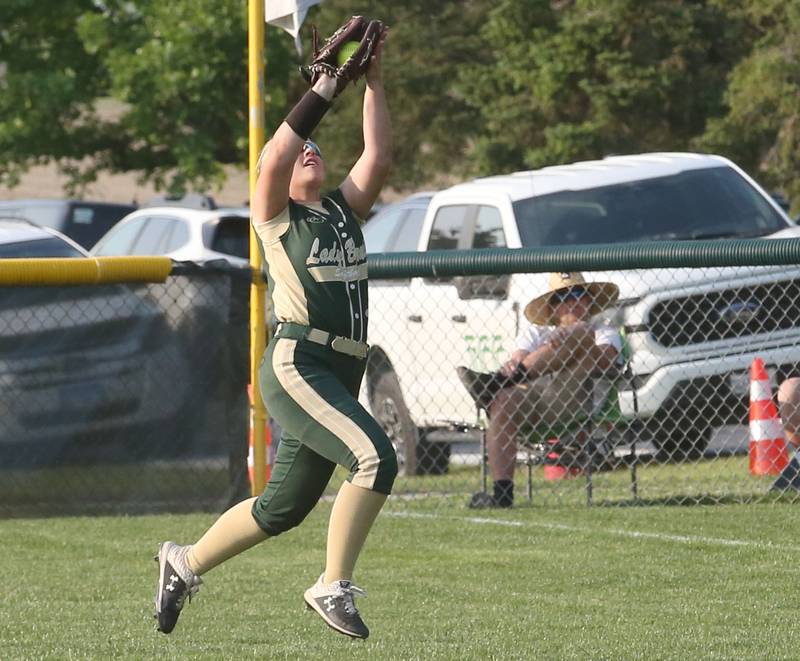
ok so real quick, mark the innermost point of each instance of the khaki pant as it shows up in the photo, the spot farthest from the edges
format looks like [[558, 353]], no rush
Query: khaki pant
[[558, 398]]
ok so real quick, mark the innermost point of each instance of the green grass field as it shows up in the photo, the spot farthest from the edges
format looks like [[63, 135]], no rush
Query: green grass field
[[706, 582], [180, 485]]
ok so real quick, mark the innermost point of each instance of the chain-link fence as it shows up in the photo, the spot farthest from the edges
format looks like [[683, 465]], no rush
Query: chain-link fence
[[632, 387], [125, 397]]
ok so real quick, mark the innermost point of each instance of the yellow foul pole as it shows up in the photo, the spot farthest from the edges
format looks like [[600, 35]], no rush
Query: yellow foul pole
[[255, 45]]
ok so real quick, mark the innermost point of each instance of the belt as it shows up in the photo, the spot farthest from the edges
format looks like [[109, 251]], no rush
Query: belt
[[340, 344]]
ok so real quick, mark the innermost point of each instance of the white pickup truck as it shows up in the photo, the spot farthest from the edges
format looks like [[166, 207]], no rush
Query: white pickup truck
[[692, 333]]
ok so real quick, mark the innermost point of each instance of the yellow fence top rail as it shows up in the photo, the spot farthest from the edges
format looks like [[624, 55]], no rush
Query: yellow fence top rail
[[83, 271]]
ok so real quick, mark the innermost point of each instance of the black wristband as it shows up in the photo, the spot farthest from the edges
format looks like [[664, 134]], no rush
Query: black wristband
[[308, 112]]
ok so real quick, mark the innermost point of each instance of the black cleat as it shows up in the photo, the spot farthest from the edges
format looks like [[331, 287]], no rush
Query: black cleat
[[483, 501], [334, 604], [484, 386], [176, 582]]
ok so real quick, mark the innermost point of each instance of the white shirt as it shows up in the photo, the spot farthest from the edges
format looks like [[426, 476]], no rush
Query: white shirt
[[535, 336]]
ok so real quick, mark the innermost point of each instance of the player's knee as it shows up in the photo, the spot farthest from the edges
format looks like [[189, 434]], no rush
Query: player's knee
[[377, 470], [276, 520], [389, 466]]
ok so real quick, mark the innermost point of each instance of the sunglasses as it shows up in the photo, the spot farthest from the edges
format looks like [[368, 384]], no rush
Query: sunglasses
[[575, 293], [313, 146]]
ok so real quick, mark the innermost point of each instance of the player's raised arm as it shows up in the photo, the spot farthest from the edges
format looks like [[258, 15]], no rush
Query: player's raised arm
[[365, 180], [280, 154]]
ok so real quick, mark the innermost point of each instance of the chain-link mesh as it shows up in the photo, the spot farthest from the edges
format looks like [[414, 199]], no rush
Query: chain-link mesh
[[125, 397], [133, 397], [644, 399]]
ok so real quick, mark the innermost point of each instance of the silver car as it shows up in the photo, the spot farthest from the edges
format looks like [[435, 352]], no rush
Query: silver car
[[181, 233]]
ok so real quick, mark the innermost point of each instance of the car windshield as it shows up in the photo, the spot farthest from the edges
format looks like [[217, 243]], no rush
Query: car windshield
[[50, 247], [232, 237], [697, 204]]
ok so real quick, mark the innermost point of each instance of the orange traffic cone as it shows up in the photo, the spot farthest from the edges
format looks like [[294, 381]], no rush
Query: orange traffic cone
[[554, 467], [250, 436], [768, 455]]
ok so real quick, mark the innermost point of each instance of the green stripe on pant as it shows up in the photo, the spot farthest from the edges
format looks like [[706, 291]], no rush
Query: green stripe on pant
[[312, 393]]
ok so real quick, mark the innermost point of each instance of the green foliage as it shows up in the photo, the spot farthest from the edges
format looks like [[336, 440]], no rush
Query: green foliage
[[47, 85], [583, 79], [761, 126], [474, 87], [176, 75], [428, 42]]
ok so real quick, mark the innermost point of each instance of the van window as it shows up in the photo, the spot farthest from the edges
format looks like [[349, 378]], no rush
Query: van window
[[488, 229], [407, 237], [120, 240], [82, 215], [153, 238], [178, 236], [449, 227], [381, 228]]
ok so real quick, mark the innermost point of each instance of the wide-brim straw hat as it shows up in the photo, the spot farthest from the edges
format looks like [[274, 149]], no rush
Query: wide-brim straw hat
[[540, 311]]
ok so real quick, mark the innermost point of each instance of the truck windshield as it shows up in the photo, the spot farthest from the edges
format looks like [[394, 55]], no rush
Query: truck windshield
[[697, 204]]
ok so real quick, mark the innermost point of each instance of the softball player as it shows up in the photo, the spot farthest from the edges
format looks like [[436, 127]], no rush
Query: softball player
[[315, 262]]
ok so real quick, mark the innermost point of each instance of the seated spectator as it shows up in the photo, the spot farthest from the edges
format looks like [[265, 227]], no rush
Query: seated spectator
[[545, 380], [789, 409]]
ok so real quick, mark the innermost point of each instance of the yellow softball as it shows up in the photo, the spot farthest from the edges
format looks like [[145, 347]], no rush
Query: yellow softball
[[345, 52]]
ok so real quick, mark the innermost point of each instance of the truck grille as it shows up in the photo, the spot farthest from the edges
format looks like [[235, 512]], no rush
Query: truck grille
[[726, 314]]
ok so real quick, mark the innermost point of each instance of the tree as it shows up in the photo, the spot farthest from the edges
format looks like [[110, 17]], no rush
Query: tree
[[475, 86], [429, 40], [47, 83], [760, 128], [175, 73], [176, 70], [583, 79]]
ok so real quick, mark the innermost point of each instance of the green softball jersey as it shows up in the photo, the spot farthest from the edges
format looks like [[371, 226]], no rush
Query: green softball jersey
[[316, 266]]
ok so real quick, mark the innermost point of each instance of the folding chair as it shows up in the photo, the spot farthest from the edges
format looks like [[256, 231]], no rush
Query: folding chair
[[585, 443]]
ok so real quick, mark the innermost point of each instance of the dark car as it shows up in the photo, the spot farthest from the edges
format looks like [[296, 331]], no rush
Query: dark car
[[85, 371], [205, 302], [82, 221]]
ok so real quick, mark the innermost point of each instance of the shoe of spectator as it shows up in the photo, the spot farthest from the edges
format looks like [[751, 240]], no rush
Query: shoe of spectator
[[481, 386], [334, 603], [176, 582], [483, 500]]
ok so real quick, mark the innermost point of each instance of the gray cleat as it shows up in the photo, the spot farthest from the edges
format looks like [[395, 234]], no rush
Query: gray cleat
[[176, 582], [334, 604]]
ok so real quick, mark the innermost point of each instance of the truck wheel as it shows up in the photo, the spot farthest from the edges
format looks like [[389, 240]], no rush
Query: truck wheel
[[432, 458], [392, 414]]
